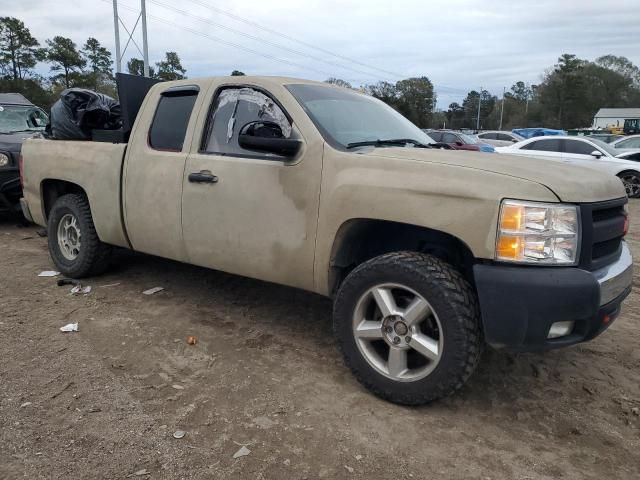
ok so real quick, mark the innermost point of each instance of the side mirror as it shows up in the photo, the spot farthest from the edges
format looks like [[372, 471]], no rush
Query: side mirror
[[597, 154], [513, 140], [267, 137]]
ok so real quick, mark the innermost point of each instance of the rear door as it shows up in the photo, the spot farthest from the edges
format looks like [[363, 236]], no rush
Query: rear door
[[259, 217], [154, 168]]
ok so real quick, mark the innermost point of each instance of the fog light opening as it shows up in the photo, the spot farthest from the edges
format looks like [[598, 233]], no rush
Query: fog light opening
[[560, 329]]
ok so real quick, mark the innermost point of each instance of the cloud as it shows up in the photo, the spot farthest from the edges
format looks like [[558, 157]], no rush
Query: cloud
[[459, 44]]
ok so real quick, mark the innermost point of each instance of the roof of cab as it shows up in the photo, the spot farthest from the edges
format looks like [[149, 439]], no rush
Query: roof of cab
[[14, 99]]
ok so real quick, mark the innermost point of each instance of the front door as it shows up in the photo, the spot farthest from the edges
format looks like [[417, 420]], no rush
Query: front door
[[246, 212]]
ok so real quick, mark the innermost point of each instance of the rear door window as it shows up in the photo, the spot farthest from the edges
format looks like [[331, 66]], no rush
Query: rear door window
[[488, 136], [171, 119], [505, 137], [436, 136], [546, 145], [450, 138]]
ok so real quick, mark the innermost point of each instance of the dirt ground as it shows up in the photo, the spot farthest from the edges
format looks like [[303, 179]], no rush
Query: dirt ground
[[105, 402]]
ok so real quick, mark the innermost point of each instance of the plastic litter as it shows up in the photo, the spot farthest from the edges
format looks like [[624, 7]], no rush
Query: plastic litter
[[70, 327], [80, 290], [243, 452], [25, 404], [179, 434], [49, 273], [177, 387], [79, 111], [153, 290]]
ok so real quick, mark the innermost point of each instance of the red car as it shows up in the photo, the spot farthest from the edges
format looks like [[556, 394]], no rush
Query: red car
[[459, 141]]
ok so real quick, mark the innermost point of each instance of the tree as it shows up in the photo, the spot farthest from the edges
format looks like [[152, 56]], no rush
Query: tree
[[621, 65], [237, 73], [470, 107], [520, 92], [135, 66], [19, 50], [338, 82], [170, 68], [97, 57], [65, 58], [384, 91], [416, 100], [455, 115]]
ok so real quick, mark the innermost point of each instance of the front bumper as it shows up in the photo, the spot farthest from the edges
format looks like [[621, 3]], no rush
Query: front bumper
[[10, 190], [520, 304]]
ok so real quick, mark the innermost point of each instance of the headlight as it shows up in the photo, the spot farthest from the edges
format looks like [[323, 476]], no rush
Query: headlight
[[4, 160], [538, 233]]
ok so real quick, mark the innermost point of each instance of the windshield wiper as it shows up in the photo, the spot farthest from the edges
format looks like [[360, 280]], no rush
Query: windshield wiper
[[392, 141]]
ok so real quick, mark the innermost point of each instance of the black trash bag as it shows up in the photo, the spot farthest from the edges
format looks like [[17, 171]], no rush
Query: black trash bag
[[79, 111]]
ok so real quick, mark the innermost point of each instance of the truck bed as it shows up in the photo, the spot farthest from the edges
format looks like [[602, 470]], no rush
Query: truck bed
[[95, 167]]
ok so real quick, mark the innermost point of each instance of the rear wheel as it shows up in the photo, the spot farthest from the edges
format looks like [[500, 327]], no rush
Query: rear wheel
[[408, 326], [631, 181], [74, 245]]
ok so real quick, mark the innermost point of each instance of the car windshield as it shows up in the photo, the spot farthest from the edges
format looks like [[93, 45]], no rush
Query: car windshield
[[604, 146], [20, 118], [346, 118]]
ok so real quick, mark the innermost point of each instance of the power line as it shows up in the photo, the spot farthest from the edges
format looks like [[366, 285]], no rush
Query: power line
[[288, 37], [253, 37], [225, 42]]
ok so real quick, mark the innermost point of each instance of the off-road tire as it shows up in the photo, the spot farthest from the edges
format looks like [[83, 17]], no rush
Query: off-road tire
[[94, 255], [453, 300]]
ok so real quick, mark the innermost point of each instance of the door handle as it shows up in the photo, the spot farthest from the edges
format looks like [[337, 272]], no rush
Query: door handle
[[202, 177]]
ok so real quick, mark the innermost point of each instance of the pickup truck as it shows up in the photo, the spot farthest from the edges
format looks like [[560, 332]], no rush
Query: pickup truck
[[428, 254]]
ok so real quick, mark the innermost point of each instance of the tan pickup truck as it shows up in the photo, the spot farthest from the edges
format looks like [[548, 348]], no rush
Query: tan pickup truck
[[429, 254]]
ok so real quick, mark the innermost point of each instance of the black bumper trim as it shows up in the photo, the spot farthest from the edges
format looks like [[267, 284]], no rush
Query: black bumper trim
[[519, 305]]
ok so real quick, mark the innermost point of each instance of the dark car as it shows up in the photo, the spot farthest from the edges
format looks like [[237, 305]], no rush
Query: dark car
[[459, 141], [19, 119]]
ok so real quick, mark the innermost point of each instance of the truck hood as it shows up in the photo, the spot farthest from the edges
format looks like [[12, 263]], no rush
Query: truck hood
[[12, 142], [570, 183]]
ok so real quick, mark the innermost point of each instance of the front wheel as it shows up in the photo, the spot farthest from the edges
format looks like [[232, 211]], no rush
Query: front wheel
[[631, 181], [74, 245], [408, 325]]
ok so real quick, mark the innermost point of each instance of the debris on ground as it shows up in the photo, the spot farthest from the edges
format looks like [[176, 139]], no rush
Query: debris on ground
[[69, 327], [67, 281], [49, 273], [140, 473], [243, 452], [110, 285], [177, 387], [179, 434], [25, 404], [41, 233], [348, 468], [80, 290], [153, 290], [192, 340]]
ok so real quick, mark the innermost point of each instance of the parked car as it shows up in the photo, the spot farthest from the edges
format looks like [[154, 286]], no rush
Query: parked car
[[606, 137], [537, 132], [19, 120], [427, 253], [499, 138], [582, 151], [627, 143], [459, 141]]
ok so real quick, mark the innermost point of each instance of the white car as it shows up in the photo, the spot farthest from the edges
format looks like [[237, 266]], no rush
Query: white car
[[585, 152], [499, 138], [627, 143]]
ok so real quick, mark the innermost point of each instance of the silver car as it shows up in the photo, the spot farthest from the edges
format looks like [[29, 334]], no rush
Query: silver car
[[499, 138]]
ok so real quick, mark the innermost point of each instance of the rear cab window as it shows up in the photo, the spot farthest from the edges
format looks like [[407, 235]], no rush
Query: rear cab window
[[170, 122]]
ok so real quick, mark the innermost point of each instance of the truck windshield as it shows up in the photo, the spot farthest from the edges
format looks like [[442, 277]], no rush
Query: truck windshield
[[346, 118], [19, 118]]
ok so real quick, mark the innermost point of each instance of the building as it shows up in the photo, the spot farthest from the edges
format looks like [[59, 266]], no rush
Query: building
[[614, 117]]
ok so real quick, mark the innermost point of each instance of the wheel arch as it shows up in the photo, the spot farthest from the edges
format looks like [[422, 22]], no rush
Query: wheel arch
[[52, 189], [360, 239]]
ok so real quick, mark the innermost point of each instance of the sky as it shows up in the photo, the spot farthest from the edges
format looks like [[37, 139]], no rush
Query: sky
[[458, 44]]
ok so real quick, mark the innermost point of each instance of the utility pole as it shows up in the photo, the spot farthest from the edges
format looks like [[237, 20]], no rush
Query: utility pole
[[116, 28], [479, 103], [504, 90], [145, 46], [144, 51]]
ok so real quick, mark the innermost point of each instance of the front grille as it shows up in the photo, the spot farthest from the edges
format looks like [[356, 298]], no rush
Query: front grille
[[602, 233]]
